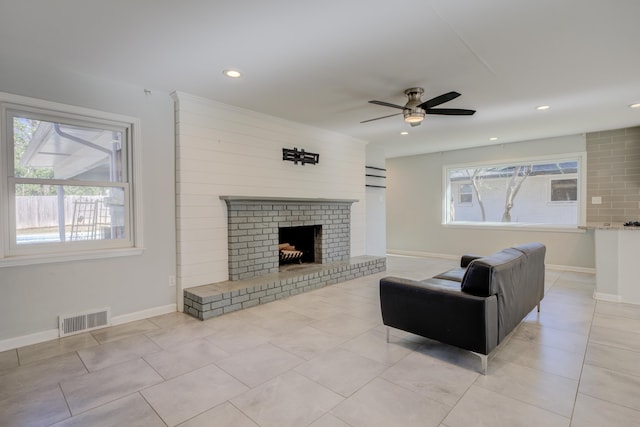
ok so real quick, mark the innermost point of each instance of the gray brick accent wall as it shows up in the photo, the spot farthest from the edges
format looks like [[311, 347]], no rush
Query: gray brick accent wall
[[613, 173], [253, 231]]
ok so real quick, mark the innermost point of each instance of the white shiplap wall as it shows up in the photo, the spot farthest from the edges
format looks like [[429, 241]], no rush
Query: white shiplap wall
[[225, 150]]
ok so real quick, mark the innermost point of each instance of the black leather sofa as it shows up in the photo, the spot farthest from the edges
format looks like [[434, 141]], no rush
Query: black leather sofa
[[473, 307]]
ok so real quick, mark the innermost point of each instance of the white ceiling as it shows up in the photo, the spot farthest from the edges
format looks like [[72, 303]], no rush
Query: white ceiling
[[319, 62]]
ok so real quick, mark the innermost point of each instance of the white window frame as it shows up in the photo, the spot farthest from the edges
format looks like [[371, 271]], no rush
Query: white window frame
[[581, 158], [12, 254]]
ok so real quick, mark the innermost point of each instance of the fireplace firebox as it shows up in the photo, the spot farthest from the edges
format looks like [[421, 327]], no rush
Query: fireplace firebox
[[306, 239]]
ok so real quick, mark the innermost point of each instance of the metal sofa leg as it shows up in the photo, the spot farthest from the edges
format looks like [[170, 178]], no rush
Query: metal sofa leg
[[388, 329], [538, 307], [484, 358]]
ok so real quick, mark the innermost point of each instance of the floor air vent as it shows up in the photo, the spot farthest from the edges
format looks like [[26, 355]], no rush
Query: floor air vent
[[75, 323]]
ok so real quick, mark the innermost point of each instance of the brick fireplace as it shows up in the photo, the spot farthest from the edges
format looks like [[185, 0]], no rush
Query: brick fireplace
[[254, 225], [254, 276]]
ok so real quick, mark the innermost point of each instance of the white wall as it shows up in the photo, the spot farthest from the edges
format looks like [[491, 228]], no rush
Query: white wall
[[414, 206], [228, 151], [32, 297]]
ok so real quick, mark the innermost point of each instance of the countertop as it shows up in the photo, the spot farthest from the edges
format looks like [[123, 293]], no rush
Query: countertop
[[607, 226]]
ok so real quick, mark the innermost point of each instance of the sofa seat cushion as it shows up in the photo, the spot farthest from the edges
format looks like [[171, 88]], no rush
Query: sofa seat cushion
[[455, 274], [444, 284]]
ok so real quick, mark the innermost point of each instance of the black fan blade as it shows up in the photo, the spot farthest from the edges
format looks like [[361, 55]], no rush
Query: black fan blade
[[451, 111], [386, 104], [446, 97], [383, 117]]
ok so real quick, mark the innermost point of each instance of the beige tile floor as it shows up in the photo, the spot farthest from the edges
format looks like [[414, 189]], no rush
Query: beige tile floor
[[320, 359]]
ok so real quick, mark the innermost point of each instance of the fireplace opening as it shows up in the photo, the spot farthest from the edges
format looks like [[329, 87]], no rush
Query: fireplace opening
[[299, 245]]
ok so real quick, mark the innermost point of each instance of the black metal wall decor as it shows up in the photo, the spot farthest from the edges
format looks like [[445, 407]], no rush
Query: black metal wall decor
[[294, 155]]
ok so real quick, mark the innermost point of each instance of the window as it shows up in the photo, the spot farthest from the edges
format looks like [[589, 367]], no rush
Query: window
[[68, 181], [529, 192], [465, 194], [564, 190]]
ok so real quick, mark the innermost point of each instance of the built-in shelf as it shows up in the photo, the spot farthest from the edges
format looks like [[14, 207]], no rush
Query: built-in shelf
[[375, 177]]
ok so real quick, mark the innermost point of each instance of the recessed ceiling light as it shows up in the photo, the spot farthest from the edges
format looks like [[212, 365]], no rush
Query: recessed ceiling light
[[493, 138], [543, 107], [636, 105], [404, 132], [232, 73]]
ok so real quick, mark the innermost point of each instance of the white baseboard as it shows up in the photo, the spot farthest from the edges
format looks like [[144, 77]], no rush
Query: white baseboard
[[38, 337], [421, 254], [457, 257], [614, 298], [607, 297], [52, 334], [144, 314], [571, 268]]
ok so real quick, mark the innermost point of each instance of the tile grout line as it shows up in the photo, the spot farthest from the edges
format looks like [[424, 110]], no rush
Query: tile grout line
[[151, 406], [584, 358], [64, 396]]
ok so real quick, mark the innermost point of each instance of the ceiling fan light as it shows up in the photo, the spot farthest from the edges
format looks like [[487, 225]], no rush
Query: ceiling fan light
[[414, 116]]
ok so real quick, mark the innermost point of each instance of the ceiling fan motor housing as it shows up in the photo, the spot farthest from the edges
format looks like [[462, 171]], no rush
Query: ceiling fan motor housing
[[412, 113], [414, 94]]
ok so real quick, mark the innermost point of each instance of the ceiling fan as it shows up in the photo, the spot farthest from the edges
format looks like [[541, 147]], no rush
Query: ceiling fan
[[415, 109]]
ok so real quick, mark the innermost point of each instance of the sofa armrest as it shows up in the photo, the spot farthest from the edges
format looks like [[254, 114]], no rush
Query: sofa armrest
[[440, 311], [466, 259]]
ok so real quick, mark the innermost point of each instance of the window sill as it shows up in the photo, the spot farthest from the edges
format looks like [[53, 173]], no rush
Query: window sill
[[519, 227], [21, 260]]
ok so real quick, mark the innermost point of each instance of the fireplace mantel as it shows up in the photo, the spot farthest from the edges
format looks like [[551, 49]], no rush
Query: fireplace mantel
[[253, 199]]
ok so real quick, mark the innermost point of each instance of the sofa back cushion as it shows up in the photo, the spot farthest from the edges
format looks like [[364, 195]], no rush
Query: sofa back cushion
[[485, 276]]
